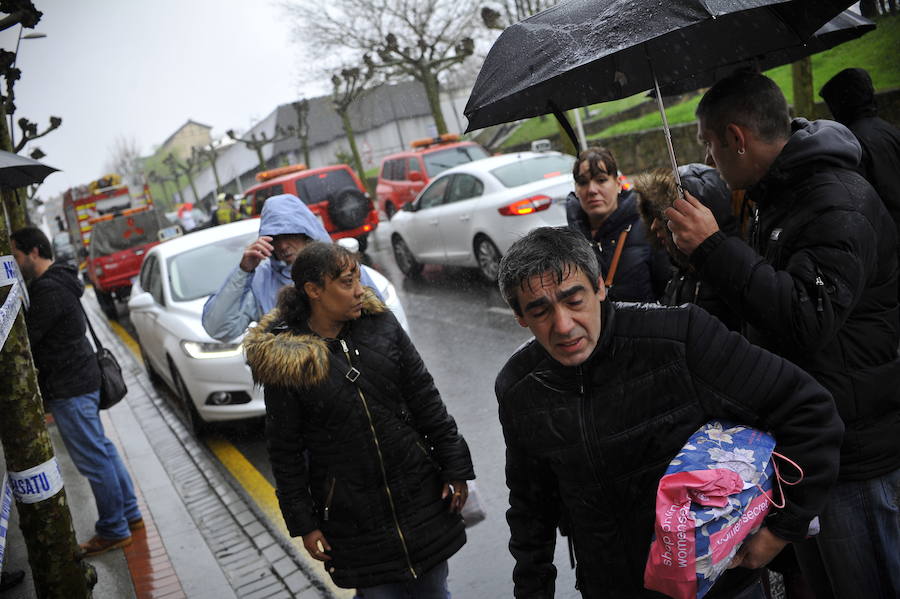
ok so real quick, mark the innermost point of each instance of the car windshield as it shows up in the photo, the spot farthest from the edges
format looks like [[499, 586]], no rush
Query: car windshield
[[125, 232], [201, 271], [534, 169], [438, 162], [324, 186]]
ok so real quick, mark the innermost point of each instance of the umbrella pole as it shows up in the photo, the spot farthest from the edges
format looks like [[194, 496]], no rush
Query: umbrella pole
[[662, 112]]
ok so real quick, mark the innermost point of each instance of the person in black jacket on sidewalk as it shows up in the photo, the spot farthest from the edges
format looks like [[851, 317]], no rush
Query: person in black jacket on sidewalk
[[69, 381], [607, 216], [655, 192], [378, 499], [595, 407], [818, 286]]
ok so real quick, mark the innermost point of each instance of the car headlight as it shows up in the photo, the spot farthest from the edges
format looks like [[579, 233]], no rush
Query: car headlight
[[206, 351]]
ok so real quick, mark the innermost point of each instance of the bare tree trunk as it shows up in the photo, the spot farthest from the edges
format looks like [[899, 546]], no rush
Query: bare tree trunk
[[351, 139], [190, 179], [432, 92], [46, 525], [304, 143], [215, 171], [867, 8], [803, 88]]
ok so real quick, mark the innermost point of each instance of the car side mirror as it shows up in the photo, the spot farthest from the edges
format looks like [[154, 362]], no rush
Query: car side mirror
[[415, 176], [141, 301]]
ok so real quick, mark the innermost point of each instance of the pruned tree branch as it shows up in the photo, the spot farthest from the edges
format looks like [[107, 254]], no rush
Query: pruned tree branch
[[30, 131]]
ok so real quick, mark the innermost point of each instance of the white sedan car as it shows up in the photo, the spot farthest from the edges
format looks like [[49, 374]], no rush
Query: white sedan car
[[211, 379], [470, 214]]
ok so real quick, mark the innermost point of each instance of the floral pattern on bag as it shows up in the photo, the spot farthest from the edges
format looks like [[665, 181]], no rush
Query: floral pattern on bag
[[721, 481]]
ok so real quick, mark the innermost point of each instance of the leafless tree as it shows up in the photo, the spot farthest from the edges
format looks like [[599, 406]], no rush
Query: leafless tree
[[348, 85], [301, 107], [418, 39], [125, 160], [502, 14], [258, 143]]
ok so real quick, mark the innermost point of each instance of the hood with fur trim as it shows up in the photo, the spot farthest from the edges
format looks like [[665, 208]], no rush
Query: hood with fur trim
[[283, 356], [656, 191]]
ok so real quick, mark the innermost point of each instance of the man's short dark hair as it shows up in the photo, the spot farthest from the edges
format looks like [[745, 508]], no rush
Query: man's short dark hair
[[748, 99], [600, 161], [28, 238], [556, 250]]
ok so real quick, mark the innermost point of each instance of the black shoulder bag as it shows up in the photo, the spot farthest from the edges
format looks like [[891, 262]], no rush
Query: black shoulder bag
[[112, 385]]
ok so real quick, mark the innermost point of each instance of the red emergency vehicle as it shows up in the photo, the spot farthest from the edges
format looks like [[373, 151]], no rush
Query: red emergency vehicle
[[113, 229]]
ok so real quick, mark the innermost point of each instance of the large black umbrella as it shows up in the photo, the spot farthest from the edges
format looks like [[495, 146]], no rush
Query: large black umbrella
[[19, 171], [843, 28], [582, 52]]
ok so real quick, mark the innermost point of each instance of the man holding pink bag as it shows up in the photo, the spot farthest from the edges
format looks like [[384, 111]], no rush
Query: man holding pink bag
[[598, 404]]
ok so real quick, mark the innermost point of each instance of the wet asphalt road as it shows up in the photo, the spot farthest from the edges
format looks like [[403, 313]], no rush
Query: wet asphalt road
[[464, 332]]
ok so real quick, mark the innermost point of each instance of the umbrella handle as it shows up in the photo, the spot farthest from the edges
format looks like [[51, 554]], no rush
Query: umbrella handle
[[567, 127], [668, 134]]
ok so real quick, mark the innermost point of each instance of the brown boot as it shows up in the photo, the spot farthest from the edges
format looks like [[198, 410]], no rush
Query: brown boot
[[99, 545], [136, 524]]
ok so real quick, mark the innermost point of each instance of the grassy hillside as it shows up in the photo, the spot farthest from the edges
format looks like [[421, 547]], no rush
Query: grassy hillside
[[538, 128], [877, 52]]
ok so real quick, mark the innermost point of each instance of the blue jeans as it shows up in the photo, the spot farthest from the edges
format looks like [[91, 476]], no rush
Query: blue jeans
[[78, 421], [857, 554], [430, 585]]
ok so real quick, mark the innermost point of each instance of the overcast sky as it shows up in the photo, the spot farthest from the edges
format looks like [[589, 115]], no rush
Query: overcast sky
[[139, 70]]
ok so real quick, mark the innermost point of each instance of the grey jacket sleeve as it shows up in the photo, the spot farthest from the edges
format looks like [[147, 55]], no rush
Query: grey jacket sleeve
[[228, 312]]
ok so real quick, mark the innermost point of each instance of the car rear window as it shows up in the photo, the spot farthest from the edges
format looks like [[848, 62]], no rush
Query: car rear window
[[324, 186], [534, 169], [125, 232], [200, 272], [438, 162]]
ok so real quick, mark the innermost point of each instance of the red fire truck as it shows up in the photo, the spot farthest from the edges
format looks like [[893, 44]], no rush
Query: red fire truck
[[113, 229], [104, 196]]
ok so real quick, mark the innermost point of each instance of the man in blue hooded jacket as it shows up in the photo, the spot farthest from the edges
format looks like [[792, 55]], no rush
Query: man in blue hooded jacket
[[286, 226]]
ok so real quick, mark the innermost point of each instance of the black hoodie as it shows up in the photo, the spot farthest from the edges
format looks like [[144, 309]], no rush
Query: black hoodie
[[819, 285], [66, 362], [851, 99]]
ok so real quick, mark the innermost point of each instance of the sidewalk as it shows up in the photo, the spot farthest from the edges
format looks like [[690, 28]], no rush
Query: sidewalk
[[203, 539]]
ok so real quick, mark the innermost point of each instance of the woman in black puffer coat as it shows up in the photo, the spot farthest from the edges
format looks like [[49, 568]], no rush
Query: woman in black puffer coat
[[607, 215], [378, 495]]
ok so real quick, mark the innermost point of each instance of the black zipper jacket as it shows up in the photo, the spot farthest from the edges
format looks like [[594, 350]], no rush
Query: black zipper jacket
[[379, 448], [819, 285], [643, 272], [66, 362], [596, 439]]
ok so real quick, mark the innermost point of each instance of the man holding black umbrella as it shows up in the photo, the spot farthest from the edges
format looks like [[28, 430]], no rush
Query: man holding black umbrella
[[817, 285]]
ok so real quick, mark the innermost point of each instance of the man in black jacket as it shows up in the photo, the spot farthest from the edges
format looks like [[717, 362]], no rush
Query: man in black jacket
[[818, 286], [597, 405], [69, 381], [851, 99]]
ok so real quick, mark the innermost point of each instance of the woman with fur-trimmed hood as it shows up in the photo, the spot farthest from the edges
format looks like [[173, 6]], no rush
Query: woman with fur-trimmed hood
[[656, 191], [378, 495]]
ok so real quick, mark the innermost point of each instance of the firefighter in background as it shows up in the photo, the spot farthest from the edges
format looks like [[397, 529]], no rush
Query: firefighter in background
[[226, 212]]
